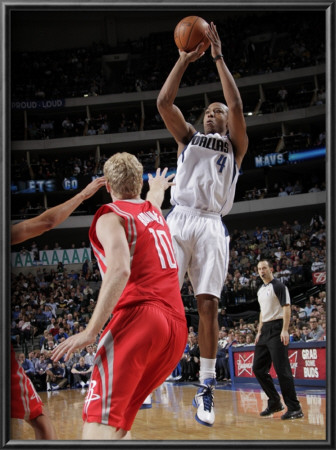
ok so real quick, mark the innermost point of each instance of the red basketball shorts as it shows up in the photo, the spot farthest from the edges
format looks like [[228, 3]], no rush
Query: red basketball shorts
[[139, 349], [25, 402]]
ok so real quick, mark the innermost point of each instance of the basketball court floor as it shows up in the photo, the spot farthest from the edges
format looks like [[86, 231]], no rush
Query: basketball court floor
[[171, 417]]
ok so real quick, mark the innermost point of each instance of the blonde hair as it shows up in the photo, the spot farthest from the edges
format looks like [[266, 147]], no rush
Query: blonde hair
[[123, 173]]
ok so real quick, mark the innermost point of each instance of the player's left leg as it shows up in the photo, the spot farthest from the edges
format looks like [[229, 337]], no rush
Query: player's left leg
[[282, 367], [208, 342]]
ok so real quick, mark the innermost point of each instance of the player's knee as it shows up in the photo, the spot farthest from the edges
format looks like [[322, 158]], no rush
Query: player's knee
[[207, 306]]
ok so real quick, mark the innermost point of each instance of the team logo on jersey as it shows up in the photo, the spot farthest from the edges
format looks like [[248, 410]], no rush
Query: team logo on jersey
[[212, 143], [245, 364], [90, 395]]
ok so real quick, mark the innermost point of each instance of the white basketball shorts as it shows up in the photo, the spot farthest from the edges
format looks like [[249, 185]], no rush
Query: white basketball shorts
[[201, 245]]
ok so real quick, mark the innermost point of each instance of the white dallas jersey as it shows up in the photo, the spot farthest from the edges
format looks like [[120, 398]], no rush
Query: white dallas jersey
[[206, 175]]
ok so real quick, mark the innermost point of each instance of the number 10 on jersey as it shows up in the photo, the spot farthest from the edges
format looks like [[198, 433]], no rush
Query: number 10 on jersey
[[164, 248]]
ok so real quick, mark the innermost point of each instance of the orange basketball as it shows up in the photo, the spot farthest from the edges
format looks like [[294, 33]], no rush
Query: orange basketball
[[190, 32]]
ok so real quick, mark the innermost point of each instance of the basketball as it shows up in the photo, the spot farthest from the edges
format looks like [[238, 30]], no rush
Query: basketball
[[190, 32]]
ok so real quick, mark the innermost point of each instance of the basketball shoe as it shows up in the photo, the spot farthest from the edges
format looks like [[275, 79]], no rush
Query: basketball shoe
[[204, 402], [147, 402]]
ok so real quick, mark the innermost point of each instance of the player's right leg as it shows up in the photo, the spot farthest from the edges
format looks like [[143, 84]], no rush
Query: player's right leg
[[207, 271], [43, 426], [26, 403]]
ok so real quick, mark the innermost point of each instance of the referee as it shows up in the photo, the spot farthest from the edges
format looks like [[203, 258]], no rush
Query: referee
[[271, 344]]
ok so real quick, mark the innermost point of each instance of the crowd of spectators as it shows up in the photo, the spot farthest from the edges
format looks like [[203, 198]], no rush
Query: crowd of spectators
[[83, 72], [48, 307], [297, 250], [71, 126], [81, 168], [307, 324], [51, 305], [284, 189]]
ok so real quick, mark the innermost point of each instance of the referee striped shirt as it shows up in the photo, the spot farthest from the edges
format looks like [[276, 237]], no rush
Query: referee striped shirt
[[272, 297]]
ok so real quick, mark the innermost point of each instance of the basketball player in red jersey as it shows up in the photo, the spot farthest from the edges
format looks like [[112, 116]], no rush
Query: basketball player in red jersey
[[144, 339], [25, 402]]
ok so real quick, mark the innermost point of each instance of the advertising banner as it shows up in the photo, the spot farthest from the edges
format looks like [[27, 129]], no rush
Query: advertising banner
[[307, 360], [39, 104], [51, 257], [319, 277]]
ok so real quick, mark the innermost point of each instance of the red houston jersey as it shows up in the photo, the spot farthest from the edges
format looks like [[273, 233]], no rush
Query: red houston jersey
[[25, 401], [153, 266]]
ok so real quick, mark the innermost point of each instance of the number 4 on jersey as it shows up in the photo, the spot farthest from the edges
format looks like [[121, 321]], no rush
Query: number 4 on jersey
[[221, 162]]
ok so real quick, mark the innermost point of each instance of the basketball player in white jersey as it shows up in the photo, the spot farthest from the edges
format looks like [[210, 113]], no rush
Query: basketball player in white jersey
[[207, 171]]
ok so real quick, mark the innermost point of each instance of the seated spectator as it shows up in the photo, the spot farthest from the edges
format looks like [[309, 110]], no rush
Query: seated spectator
[[190, 360], [48, 344], [52, 305], [26, 365], [222, 337], [249, 339], [70, 320], [316, 330], [48, 312], [72, 361], [91, 131], [82, 373], [308, 308], [25, 328], [297, 188], [220, 363], [305, 333], [56, 376], [53, 327], [282, 193], [315, 188], [61, 335], [40, 372], [300, 312], [241, 339], [297, 272], [226, 368], [32, 356], [295, 335], [67, 126], [323, 336], [90, 355], [289, 188], [15, 333]]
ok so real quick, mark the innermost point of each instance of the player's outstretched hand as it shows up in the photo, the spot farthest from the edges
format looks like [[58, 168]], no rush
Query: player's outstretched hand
[[213, 36], [93, 187], [71, 344], [160, 180], [192, 56]]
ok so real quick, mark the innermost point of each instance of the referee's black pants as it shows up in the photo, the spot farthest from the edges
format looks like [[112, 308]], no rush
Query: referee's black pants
[[270, 349]]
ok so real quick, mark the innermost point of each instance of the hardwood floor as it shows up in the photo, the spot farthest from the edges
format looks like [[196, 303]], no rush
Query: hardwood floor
[[171, 417]]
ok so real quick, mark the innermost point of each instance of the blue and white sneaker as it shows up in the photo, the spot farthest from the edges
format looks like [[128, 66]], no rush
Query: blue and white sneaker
[[203, 401], [147, 402]]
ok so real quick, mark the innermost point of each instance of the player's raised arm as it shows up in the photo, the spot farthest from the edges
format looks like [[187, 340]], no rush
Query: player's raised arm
[[236, 120], [157, 187], [49, 219], [172, 116]]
